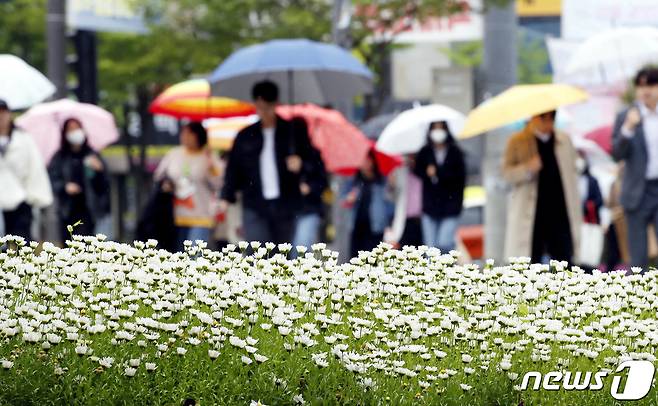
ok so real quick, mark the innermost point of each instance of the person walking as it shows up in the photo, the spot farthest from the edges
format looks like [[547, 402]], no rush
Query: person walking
[[370, 210], [635, 142], [406, 228], [544, 207], [312, 185], [79, 180], [590, 191], [23, 177], [192, 173], [591, 250], [440, 166], [265, 165]]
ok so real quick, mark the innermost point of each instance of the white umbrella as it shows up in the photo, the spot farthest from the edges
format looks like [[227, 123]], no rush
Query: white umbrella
[[407, 133], [616, 54], [22, 86]]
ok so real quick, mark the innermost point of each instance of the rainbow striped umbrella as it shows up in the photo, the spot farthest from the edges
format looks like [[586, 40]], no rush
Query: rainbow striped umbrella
[[191, 100]]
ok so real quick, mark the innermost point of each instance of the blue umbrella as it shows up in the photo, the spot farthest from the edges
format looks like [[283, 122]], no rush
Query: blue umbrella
[[306, 71]]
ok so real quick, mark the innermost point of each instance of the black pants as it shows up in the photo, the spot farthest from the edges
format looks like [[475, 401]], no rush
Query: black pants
[[19, 221], [553, 237], [274, 223], [413, 232]]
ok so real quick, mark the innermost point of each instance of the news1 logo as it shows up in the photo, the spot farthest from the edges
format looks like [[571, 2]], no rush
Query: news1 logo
[[639, 378]]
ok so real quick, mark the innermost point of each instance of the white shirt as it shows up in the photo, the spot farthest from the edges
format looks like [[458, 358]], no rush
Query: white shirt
[[543, 137], [269, 174], [650, 127]]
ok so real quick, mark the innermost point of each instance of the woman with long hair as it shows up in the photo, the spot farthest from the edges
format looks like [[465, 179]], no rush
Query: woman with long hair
[[441, 167], [79, 179], [371, 210]]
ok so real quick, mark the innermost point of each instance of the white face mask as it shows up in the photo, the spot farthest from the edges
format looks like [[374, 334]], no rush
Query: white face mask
[[439, 136], [4, 140], [581, 165], [76, 137]]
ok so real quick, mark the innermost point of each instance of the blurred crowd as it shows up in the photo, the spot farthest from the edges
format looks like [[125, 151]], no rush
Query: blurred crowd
[[273, 182]]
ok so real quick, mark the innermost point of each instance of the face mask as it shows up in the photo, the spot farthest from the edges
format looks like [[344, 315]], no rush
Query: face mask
[[76, 137], [581, 165], [4, 140], [439, 136]]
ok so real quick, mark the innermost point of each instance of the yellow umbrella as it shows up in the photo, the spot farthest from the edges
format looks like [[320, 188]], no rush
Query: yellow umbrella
[[517, 103]]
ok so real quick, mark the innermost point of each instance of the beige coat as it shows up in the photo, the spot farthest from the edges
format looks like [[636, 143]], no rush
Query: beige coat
[[522, 201]]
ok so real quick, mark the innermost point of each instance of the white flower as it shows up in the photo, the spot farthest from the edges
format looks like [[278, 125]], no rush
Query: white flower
[[260, 358], [299, 400], [466, 358], [134, 362], [465, 387], [130, 372], [106, 362], [246, 360], [213, 354], [6, 364], [181, 351], [81, 349], [150, 366]]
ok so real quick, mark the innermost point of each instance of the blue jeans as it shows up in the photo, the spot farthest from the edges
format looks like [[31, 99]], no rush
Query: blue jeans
[[440, 232], [192, 234], [307, 230]]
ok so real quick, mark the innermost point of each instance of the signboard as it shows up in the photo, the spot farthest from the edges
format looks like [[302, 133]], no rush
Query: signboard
[[104, 15], [583, 18], [538, 8]]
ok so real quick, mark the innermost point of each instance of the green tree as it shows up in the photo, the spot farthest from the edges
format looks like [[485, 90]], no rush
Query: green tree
[[23, 30]]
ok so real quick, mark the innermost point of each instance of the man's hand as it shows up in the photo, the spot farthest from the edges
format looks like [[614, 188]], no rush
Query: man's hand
[[534, 165], [305, 189], [633, 118], [72, 188], [294, 163]]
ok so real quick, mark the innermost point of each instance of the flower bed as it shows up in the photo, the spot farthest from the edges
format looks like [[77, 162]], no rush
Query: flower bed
[[101, 322]]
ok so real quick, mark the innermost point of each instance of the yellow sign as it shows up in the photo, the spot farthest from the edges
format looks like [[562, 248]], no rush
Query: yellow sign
[[538, 8]]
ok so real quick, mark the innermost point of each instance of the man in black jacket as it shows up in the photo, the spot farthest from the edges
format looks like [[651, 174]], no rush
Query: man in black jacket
[[265, 165]]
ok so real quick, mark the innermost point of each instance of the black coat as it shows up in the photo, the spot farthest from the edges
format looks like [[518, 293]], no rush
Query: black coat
[[66, 167], [443, 198], [243, 167]]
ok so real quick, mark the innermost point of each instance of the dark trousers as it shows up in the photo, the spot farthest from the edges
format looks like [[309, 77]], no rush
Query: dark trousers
[[638, 220], [19, 221], [552, 236], [274, 223], [413, 232]]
